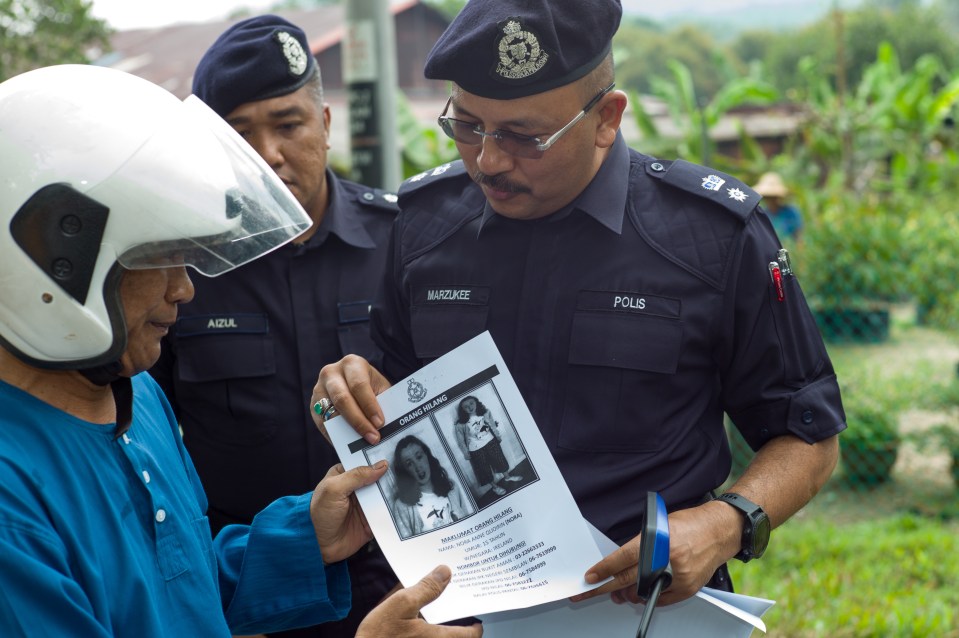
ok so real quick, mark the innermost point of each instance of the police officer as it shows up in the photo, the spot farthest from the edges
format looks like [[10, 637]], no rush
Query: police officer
[[634, 300], [240, 362]]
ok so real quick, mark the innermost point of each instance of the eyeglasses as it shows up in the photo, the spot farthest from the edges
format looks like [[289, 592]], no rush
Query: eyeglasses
[[513, 143]]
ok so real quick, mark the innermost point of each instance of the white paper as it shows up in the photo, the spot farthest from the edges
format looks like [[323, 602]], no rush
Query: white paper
[[712, 613], [526, 547]]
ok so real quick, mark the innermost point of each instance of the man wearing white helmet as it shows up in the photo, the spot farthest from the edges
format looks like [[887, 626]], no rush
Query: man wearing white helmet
[[109, 188]]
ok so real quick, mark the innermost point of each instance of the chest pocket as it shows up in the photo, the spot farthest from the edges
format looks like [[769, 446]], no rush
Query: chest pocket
[[442, 318], [353, 331], [227, 376], [621, 368]]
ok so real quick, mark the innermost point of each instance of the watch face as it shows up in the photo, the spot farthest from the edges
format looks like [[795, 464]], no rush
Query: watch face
[[761, 535]]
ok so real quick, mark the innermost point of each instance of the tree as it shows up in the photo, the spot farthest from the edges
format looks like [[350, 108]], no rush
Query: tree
[[449, 8], [912, 29], [695, 116], [36, 33]]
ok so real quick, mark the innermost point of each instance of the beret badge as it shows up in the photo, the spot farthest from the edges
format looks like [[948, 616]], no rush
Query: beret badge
[[293, 52], [520, 54]]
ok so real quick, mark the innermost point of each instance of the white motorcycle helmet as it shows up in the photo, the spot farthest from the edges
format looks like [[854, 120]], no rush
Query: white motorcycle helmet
[[100, 171]]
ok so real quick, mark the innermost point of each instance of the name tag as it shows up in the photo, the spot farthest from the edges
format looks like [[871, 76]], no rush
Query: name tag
[[632, 302], [474, 295], [222, 324]]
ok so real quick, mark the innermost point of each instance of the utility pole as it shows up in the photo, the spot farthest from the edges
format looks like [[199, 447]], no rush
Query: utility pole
[[369, 71]]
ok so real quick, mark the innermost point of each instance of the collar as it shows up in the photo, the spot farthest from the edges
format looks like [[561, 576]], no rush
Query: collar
[[339, 218], [603, 199]]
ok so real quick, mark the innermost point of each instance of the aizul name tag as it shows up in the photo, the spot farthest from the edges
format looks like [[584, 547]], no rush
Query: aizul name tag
[[634, 302], [239, 323]]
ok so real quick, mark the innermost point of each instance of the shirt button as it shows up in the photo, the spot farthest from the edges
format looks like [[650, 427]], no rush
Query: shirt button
[[161, 515], [807, 417], [146, 476], [656, 166], [368, 196], [126, 439]]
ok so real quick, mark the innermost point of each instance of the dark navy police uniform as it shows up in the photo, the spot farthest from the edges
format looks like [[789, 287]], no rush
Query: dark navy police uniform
[[240, 364], [630, 320]]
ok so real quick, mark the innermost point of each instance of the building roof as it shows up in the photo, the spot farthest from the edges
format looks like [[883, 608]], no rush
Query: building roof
[[168, 55]]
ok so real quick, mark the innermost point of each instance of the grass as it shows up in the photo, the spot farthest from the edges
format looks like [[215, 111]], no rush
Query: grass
[[858, 563], [895, 576]]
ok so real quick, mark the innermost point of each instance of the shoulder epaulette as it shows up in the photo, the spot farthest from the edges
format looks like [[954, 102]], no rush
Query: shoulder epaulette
[[378, 198], [432, 176], [708, 183]]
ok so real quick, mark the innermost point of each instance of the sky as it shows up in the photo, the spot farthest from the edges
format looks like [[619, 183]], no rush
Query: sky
[[136, 14]]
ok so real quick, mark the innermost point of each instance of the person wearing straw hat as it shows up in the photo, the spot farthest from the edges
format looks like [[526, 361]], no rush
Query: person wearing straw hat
[[786, 218]]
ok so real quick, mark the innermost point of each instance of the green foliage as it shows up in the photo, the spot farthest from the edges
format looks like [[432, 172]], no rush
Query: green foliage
[[449, 8], [934, 233], [423, 147], [849, 39], [696, 116], [852, 254], [881, 135], [36, 33], [644, 51], [894, 577]]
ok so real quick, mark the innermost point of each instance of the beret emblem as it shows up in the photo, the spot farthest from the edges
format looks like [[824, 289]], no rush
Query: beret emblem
[[520, 54], [293, 52]]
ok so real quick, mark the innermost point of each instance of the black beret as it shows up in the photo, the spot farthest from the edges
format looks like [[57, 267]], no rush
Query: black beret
[[505, 49], [255, 59]]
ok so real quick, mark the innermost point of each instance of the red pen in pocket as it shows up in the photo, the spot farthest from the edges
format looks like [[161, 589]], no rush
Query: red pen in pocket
[[777, 278]]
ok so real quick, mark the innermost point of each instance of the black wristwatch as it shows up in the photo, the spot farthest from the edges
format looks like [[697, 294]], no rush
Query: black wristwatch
[[756, 528]]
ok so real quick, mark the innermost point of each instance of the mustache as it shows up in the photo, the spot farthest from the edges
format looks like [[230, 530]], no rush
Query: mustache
[[498, 182]]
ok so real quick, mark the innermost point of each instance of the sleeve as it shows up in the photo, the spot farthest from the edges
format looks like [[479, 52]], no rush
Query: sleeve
[[405, 523], [460, 430], [272, 575], [493, 427], [458, 503], [36, 590], [777, 376]]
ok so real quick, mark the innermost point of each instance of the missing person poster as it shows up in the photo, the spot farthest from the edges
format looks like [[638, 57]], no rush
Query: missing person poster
[[471, 485]]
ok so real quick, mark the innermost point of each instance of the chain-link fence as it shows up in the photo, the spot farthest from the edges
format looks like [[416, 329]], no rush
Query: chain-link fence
[[878, 271]]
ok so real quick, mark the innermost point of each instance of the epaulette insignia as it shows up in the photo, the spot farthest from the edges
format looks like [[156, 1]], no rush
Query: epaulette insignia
[[443, 171], [380, 198], [716, 186]]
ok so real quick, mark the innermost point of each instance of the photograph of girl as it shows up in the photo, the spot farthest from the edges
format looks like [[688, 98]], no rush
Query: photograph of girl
[[426, 497], [479, 439]]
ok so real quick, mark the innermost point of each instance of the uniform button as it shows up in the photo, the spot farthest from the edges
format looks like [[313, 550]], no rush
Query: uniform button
[[126, 439], [161, 515], [368, 196], [764, 433], [807, 417], [656, 166], [146, 476]]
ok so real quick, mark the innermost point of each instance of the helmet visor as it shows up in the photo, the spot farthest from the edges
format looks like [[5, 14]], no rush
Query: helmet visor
[[213, 203]]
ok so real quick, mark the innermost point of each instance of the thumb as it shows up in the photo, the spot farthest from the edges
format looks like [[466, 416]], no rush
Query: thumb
[[351, 480], [429, 587]]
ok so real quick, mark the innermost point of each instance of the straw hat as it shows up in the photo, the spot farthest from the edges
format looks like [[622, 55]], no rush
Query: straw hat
[[771, 185]]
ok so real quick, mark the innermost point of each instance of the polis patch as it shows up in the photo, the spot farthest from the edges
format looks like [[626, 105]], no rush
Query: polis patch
[[633, 302], [233, 323]]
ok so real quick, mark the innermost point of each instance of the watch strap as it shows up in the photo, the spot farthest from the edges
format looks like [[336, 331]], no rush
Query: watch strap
[[753, 513]]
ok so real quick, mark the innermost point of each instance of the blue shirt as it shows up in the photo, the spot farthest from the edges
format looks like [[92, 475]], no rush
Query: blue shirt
[[631, 321], [107, 537], [787, 221]]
